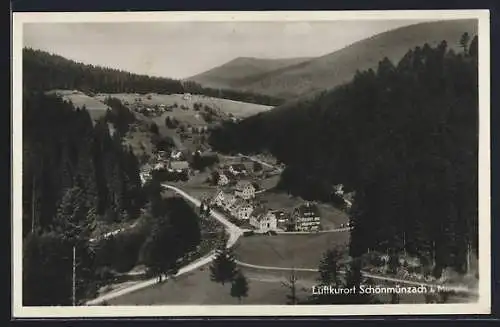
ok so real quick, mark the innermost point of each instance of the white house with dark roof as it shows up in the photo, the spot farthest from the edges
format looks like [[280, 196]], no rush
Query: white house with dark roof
[[263, 220], [224, 199], [244, 190], [242, 209], [223, 178]]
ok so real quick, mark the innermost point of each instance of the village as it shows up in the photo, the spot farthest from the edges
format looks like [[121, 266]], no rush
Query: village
[[235, 189]]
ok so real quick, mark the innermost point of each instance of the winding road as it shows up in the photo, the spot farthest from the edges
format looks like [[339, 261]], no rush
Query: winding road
[[263, 163], [235, 233]]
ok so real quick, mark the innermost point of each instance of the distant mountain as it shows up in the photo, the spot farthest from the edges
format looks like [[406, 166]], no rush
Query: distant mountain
[[236, 71], [403, 136], [339, 67]]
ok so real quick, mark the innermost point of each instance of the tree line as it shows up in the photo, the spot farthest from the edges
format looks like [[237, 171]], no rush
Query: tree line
[[403, 136], [78, 177], [67, 160], [44, 71]]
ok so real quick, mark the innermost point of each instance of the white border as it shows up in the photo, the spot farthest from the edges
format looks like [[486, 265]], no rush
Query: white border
[[483, 306]]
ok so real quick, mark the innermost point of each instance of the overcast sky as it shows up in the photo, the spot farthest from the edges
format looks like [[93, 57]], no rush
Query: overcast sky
[[183, 49]]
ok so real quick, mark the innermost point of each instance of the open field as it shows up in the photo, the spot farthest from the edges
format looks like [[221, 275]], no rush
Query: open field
[[236, 108], [278, 200], [269, 183], [95, 107], [265, 287], [294, 250], [197, 288], [332, 217]]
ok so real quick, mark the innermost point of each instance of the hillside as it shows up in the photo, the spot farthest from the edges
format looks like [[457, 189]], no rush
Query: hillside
[[339, 67], [43, 71], [403, 136], [236, 108], [238, 70], [96, 108]]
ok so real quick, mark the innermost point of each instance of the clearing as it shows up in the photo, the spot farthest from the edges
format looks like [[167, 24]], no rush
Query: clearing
[[196, 288], [96, 108], [236, 108], [288, 250]]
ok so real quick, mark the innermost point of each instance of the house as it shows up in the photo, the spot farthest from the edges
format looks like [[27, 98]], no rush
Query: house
[[160, 166], [179, 166], [349, 198], [145, 176], [176, 155], [186, 96], [224, 199], [306, 217], [242, 209], [244, 190], [282, 218], [263, 220], [223, 178], [238, 169], [339, 189]]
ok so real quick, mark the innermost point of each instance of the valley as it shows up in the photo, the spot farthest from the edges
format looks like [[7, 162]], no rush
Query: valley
[[360, 164]]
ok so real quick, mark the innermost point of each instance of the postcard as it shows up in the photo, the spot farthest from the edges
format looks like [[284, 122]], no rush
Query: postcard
[[189, 164]]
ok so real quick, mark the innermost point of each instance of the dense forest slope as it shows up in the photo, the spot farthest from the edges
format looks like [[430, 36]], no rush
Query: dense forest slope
[[44, 71], [238, 70], [404, 137], [339, 67]]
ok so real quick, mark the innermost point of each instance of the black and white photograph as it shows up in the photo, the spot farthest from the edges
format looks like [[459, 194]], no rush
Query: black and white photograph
[[251, 163]]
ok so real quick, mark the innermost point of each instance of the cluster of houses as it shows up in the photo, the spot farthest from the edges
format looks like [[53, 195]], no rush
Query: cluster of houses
[[156, 110], [175, 162], [240, 202]]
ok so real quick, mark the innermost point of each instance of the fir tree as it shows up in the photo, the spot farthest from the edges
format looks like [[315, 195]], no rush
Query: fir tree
[[239, 286], [223, 268]]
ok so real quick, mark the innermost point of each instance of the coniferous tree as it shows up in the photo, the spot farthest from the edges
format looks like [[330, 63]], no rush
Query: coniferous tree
[[329, 268], [239, 286], [223, 267]]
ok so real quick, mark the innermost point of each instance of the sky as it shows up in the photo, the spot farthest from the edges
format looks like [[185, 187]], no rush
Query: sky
[[183, 49]]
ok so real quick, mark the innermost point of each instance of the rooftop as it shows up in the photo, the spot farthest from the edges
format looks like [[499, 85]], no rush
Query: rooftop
[[239, 167], [308, 209], [179, 165], [242, 184], [241, 203]]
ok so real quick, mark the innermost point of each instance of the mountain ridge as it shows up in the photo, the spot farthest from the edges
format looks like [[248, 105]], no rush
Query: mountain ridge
[[231, 72], [338, 67]]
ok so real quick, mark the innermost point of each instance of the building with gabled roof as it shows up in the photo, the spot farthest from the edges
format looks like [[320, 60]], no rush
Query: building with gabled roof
[[244, 190], [263, 219], [238, 169], [242, 209]]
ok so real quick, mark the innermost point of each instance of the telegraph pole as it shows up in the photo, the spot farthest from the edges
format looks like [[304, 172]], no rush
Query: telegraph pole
[[291, 284], [74, 275]]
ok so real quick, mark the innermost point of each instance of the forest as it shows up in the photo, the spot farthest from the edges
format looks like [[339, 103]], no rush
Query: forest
[[43, 71], [403, 136], [78, 177]]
